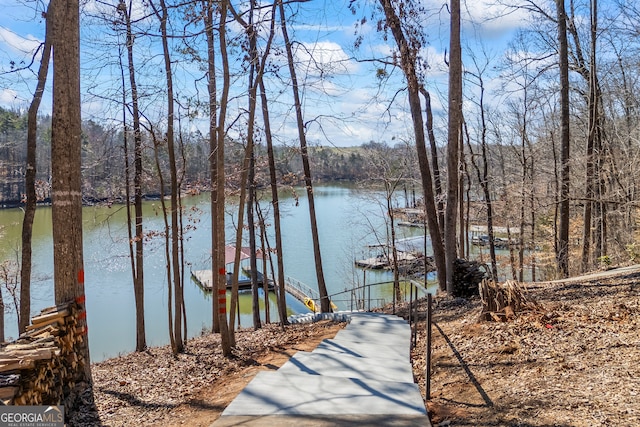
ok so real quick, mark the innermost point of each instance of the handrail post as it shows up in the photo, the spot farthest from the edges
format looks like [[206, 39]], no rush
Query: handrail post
[[415, 316], [411, 319]]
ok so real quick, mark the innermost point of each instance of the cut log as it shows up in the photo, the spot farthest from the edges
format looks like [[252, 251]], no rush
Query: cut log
[[47, 318], [18, 365], [8, 392]]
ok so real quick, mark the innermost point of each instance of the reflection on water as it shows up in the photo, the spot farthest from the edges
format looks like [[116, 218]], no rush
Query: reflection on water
[[348, 220]]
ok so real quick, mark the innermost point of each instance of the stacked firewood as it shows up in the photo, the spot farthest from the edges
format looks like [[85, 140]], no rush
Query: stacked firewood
[[42, 365], [467, 275]]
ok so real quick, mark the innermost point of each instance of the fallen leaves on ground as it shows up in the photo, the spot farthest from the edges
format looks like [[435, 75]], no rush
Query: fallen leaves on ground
[[573, 362]]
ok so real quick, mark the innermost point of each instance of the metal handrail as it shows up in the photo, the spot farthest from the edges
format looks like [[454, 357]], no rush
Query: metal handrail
[[305, 289]]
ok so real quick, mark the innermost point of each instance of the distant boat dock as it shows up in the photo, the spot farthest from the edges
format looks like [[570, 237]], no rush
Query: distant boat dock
[[303, 293]]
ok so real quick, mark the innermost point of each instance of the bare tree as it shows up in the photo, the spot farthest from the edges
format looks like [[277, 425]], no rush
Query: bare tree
[[30, 185], [175, 232], [593, 123], [137, 240], [437, 182], [562, 254], [216, 163], [325, 305], [282, 302], [483, 172], [408, 62]]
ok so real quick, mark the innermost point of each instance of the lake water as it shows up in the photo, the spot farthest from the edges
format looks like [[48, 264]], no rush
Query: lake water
[[348, 220]]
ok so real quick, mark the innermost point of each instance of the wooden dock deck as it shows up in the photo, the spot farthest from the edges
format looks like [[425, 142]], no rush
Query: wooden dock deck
[[373, 263], [303, 293], [204, 278]]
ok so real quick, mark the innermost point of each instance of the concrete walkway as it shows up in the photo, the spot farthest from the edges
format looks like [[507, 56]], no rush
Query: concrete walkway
[[362, 377]]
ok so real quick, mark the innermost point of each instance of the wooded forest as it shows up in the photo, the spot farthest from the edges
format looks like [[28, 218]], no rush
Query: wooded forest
[[103, 163], [542, 137]]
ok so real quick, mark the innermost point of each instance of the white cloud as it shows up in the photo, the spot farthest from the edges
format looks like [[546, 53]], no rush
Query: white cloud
[[494, 19], [108, 7], [324, 58], [11, 42], [8, 96]]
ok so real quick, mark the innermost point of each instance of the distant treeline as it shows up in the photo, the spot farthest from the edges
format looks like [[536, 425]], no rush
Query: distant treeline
[[104, 162]]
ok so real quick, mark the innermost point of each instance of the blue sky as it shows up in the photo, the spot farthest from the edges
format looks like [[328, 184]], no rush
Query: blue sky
[[345, 105]]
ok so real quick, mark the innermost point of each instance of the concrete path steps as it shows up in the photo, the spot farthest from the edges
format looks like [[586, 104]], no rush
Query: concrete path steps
[[362, 377]]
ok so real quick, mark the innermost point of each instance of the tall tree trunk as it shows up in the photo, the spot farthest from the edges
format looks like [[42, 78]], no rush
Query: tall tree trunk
[[137, 262], [453, 144], [322, 288], [30, 185], [437, 182], [257, 70], [282, 302], [66, 135], [532, 218], [483, 179], [163, 17], [523, 184], [167, 234], [216, 267], [408, 63], [562, 254], [253, 54], [593, 131], [216, 164]]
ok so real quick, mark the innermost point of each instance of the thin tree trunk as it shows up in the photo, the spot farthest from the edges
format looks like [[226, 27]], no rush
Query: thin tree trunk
[[30, 186], [282, 303], [257, 324], [257, 69], [167, 254], [523, 187], [216, 163], [483, 179], [592, 126], [216, 267], [562, 254], [434, 160], [532, 218], [322, 288], [263, 246], [407, 58], [175, 231], [390, 189], [138, 264]]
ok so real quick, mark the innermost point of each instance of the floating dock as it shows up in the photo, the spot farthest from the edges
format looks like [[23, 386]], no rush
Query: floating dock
[[303, 293], [204, 278], [375, 263], [383, 261]]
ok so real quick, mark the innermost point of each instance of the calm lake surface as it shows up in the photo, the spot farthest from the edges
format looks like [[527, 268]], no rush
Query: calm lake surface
[[349, 219]]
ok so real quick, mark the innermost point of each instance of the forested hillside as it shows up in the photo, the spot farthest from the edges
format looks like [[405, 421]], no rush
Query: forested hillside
[[103, 165]]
